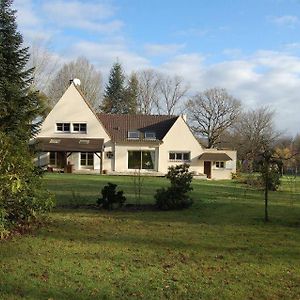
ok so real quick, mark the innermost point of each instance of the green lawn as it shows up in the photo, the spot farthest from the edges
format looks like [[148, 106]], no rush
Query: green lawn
[[218, 249]]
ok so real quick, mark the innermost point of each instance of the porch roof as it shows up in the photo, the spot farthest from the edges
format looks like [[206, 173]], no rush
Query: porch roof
[[214, 156], [69, 144]]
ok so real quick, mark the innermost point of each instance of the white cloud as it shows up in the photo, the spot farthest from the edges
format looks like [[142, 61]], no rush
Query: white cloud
[[264, 78], [163, 49], [83, 15], [287, 20], [26, 14], [290, 47], [104, 55], [31, 22]]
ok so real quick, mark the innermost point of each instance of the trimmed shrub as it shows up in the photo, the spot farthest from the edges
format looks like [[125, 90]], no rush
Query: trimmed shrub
[[175, 196], [110, 197]]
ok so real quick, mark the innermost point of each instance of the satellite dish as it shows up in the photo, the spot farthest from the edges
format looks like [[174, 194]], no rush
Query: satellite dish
[[76, 81]]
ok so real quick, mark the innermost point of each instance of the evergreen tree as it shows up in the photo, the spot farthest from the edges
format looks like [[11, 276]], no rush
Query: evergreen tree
[[21, 196], [19, 105], [114, 100], [131, 94]]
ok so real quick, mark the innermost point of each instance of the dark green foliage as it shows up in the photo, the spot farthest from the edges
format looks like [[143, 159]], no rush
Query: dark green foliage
[[22, 198], [175, 196], [113, 102], [119, 99], [270, 169], [110, 197], [131, 94], [273, 181], [19, 105]]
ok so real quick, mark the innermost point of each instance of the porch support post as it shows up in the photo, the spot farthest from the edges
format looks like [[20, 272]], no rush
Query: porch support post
[[101, 161]]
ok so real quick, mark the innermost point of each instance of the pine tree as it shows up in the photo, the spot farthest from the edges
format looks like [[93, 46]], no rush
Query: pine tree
[[22, 198], [131, 94], [113, 101], [19, 105]]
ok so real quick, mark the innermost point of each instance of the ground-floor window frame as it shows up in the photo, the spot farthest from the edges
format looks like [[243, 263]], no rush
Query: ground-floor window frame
[[220, 164], [86, 159], [180, 156], [141, 159], [53, 158]]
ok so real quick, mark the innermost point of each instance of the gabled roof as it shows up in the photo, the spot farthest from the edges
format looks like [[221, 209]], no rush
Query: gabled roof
[[118, 126], [89, 105]]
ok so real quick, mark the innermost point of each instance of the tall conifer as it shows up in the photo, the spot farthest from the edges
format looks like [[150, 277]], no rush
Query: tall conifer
[[131, 94], [113, 101], [22, 197], [19, 106]]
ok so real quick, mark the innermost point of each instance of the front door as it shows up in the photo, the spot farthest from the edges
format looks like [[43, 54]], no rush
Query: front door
[[207, 169]]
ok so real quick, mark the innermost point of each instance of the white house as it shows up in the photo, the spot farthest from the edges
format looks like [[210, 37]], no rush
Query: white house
[[74, 135]]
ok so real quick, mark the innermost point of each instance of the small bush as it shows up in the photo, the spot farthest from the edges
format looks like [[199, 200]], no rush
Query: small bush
[[175, 196], [273, 178], [110, 197], [171, 198]]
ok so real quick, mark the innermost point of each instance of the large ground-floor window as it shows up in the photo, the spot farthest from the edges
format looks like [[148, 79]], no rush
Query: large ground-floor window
[[141, 160], [86, 159]]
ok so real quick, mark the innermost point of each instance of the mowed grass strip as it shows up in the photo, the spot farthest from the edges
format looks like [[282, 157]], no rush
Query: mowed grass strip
[[218, 249]]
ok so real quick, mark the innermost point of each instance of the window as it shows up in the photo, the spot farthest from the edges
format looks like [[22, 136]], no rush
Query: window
[[133, 135], [150, 135], [63, 127], [84, 142], [141, 160], [53, 159], [180, 156], [220, 164], [54, 141], [86, 159], [80, 127]]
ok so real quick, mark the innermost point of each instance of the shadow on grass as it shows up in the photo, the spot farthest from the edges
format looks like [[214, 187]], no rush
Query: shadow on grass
[[21, 290]]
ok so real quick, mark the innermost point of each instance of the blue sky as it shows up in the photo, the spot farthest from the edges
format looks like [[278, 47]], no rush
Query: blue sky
[[251, 48]]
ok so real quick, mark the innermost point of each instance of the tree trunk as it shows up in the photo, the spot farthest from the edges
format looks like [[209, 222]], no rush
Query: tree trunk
[[266, 193]]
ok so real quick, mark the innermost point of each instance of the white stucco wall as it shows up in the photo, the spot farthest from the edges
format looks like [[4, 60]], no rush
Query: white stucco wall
[[180, 138], [230, 166], [121, 156], [71, 108]]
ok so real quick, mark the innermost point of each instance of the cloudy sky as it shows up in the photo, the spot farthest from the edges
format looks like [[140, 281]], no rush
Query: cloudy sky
[[251, 48]]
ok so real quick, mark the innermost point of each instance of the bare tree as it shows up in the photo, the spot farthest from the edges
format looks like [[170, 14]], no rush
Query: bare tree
[[148, 82], [212, 112], [81, 68], [172, 91], [45, 65], [255, 132]]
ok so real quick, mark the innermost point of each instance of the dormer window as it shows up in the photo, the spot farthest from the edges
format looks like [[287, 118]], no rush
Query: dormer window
[[150, 135], [133, 135], [63, 127], [79, 127]]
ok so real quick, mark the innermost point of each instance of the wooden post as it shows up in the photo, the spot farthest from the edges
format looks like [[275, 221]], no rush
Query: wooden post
[[101, 161]]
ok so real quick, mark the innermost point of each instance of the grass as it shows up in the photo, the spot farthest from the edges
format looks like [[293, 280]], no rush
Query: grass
[[218, 249]]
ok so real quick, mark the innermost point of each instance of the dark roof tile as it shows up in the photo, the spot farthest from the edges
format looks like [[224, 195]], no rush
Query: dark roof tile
[[118, 125]]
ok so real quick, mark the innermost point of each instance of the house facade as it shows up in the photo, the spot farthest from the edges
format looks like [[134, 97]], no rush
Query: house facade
[[74, 135]]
